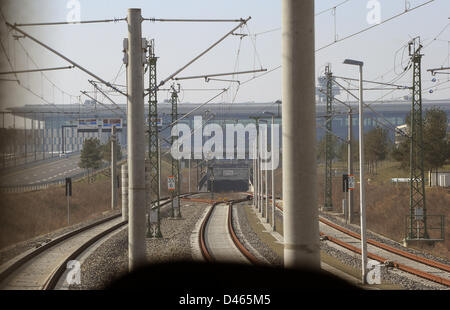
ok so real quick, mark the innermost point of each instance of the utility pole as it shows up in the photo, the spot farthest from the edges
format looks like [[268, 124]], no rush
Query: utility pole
[[258, 166], [154, 227], [265, 210], [198, 188], [272, 150], [176, 213], [124, 173], [301, 221], [417, 206], [52, 135], [33, 134], [136, 140], [15, 138], [328, 198], [211, 177], [113, 169], [362, 192], [350, 166], [25, 133], [41, 136], [254, 178]]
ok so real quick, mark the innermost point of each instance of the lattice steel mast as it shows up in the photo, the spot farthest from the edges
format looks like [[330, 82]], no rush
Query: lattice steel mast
[[175, 163], [153, 227], [328, 201], [418, 220]]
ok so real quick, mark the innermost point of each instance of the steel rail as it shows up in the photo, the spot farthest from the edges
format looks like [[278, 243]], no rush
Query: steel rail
[[416, 258], [234, 237], [202, 235], [387, 248], [54, 277]]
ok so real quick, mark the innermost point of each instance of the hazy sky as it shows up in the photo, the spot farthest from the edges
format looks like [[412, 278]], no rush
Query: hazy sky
[[98, 47]]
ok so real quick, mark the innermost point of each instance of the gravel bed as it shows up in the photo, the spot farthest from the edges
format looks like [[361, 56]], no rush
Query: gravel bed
[[110, 260], [16, 249], [390, 276], [247, 236], [379, 238]]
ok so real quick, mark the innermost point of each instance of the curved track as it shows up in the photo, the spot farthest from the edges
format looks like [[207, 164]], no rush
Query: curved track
[[419, 266], [41, 268], [217, 238]]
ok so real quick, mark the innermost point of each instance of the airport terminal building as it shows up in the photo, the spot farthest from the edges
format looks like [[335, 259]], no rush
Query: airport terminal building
[[63, 128]]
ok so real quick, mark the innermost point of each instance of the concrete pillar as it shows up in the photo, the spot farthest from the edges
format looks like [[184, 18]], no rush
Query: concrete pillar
[[350, 166], [301, 223], [261, 184], [254, 177], [113, 169], [136, 142], [273, 173], [124, 182], [267, 183]]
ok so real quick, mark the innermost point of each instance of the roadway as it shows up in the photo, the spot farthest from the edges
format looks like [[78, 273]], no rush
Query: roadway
[[41, 173]]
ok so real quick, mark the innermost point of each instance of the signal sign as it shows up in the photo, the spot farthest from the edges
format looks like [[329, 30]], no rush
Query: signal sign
[[348, 182], [171, 183], [351, 182], [68, 186]]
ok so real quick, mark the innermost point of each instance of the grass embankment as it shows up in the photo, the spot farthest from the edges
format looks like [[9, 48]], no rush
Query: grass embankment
[[27, 215], [387, 204]]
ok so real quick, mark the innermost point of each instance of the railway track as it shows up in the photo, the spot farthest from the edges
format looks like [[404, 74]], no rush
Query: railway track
[[217, 238], [43, 267], [389, 256]]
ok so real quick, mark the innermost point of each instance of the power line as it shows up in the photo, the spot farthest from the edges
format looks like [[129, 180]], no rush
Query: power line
[[373, 82], [112, 101], [70, 23], [373, 26], [332, 8], [63, 57], [105, 105], [205, 76], [184, 20], [438, 35], [37, 70], [204, 52]]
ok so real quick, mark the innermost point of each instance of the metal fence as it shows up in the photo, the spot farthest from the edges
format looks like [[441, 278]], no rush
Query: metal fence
[[435, 228], [22, 188]]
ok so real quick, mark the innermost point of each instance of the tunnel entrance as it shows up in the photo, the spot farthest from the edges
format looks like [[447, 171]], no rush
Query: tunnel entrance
[[230, 186]]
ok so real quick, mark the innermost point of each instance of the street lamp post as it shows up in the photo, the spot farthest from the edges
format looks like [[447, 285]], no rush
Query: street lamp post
[[362, 202], [266, 180], [265, 212], [258, 165], [272, 139]]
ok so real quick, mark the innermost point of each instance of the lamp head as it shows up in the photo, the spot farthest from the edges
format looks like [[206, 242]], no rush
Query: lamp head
[[353, 62]]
